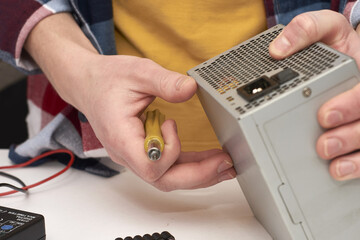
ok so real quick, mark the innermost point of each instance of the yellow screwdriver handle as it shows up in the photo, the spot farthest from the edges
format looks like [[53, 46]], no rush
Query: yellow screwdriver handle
[[154, 143]]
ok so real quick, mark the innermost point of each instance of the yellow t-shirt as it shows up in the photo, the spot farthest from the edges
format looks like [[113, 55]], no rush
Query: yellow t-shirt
[[180, 34]]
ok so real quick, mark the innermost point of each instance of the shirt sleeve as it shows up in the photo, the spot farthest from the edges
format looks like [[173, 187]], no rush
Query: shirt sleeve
[[18, 18], [352, 12]]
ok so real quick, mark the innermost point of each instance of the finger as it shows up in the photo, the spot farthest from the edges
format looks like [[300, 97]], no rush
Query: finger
[[149, 170], [339, 141], [158, 81], [172, 146], [224, 176], [198, 156], [129, 147], [341, 109], [346, 167], [193, 174], [305, 29]]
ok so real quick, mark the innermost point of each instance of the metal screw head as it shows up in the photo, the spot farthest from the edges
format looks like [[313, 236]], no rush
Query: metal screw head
[[307, 92]]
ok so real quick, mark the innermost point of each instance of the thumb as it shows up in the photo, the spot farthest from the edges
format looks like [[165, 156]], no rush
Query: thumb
[[168, 85], [326, 26]]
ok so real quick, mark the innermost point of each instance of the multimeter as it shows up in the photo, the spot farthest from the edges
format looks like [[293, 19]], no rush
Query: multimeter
[[21, 225]]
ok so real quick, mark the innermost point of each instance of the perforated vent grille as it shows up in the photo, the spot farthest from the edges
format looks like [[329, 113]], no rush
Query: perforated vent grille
[[251, 60]]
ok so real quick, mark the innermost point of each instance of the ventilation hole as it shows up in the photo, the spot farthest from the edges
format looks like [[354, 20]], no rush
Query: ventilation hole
[[251, 60]]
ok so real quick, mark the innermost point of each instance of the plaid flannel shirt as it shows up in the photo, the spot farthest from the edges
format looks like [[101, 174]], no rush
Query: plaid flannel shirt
[[54, 124]]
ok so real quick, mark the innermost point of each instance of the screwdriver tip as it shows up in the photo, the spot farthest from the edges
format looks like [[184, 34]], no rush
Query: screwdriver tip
[[154, 154]]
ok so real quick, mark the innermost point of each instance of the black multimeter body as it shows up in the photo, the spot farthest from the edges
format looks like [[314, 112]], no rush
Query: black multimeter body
[[21, 225]]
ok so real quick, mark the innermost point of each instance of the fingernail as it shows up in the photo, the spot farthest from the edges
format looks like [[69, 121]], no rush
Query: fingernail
[[332, 146], [181, 82], [282, 45], [226, 176], [344, 168], [226, 164], [333, 118]]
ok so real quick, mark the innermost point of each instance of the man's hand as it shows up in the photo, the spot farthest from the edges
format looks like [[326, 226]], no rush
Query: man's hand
[[121, 88], [340, 115], [113, 92]]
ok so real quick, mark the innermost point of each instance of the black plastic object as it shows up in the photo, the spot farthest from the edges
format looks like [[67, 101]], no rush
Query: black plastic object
[[165, 235], [148, 237], [156, 236], [20, 225], [257, 88], [285, 75]]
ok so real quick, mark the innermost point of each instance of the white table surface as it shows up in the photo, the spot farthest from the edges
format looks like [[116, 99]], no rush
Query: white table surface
[[78, 205]]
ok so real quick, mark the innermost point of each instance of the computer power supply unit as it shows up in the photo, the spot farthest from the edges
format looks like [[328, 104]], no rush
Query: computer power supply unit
[[264, 113]]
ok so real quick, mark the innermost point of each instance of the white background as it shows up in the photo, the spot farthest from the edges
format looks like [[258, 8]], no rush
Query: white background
[[78, 205]]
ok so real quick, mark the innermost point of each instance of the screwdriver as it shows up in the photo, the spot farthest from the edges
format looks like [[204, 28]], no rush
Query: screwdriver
[[154, 143]]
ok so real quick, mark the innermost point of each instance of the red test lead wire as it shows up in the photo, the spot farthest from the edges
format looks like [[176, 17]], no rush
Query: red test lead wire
[[72, 158]]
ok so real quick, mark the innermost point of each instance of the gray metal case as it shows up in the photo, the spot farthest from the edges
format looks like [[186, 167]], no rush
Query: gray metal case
[[272, 139]]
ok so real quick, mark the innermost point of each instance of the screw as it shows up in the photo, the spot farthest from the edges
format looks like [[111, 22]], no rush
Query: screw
[[307, 92]]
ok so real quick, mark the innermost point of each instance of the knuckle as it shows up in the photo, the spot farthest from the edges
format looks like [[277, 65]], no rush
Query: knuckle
[[356, 135], [161, 77], [144, 67], [164, 84], [141, 61], [167, 84], [146, 62], [162, 186], [150, 175], [306, 24]]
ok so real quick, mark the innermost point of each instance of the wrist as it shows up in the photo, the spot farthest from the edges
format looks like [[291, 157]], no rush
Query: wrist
[[73, 80], [64, 54]]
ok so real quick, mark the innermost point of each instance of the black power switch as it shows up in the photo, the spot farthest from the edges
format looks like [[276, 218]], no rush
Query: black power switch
[[285, 75]]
